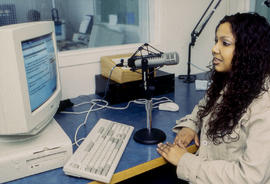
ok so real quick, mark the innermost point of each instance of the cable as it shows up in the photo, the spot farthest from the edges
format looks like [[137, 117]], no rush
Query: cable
[[155, 105], [108, 82], [102, 106], [105, 105], [96, 103], [199, 68], [85, 120], [93, 102], [81, 139]]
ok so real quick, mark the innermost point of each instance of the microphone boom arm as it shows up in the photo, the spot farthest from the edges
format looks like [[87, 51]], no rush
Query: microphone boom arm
[[144, 47], [194, 35]]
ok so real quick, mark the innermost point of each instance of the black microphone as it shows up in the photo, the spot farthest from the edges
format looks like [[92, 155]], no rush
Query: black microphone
[[267, 3], [154, 60]]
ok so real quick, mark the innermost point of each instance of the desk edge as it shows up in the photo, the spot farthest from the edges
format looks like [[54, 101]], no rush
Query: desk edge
[[141, 168]]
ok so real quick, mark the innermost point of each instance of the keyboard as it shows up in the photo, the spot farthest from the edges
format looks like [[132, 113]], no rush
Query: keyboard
[[100, 152]]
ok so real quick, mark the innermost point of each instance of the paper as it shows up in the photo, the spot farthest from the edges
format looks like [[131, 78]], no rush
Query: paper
[[201, 84]]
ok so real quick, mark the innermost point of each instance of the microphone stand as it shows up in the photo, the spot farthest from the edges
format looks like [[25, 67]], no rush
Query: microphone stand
[[147, 135], [194, 34]]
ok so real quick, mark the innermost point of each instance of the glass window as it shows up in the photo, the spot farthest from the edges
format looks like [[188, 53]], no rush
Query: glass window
[[84, 23]]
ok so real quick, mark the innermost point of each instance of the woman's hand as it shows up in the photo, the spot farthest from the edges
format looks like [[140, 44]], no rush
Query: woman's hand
[[171, 152], [185, 136]]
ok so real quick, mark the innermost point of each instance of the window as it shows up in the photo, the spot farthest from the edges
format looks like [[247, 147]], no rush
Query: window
[[84, 23]]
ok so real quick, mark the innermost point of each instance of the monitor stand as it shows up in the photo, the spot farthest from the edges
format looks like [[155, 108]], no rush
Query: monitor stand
[[47, 150]]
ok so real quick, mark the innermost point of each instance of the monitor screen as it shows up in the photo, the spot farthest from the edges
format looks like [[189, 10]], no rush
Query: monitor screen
[[29, 78], [40, 68]]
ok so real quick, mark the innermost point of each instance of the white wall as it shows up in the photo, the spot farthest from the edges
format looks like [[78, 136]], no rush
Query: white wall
[[239, 6], [176, 18]]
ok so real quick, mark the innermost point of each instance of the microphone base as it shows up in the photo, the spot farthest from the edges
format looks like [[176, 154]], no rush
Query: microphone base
[[152, 136], [187, 78]]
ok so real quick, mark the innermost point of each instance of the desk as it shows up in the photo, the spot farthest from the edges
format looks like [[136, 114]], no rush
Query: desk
[[137, 158]]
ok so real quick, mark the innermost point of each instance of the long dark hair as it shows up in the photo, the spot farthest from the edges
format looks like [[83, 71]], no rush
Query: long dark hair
[[245, 81]]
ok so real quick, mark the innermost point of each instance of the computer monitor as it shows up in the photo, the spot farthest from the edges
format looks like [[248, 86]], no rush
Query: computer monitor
[[30, 89], [102, 35]]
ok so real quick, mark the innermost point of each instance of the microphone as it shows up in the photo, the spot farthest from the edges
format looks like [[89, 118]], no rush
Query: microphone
[[154, 60], [267, 3]]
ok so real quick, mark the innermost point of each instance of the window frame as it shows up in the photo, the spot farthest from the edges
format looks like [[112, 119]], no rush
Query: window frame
[[92, 55]]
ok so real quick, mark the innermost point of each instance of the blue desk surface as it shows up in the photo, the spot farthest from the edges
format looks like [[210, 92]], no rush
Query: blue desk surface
[[185, 96]]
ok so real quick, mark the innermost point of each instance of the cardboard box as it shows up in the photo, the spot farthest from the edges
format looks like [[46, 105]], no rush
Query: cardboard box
[[119, 74]]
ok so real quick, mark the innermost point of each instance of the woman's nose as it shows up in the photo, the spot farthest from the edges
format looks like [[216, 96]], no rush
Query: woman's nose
[[215, 49]]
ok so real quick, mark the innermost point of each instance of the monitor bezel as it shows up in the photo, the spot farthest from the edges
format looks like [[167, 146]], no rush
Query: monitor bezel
[[31, 122]]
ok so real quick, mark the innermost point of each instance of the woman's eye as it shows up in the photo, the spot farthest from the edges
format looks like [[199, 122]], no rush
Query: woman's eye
[[226, 43]]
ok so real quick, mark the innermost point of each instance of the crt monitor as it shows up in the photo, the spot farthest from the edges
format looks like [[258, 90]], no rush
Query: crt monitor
[[29, 78]]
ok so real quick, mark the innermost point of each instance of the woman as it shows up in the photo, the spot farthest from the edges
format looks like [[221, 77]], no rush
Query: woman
[[234, 117]]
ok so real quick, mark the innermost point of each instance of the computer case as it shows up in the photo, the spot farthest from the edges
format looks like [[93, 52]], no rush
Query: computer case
[[50, 149]]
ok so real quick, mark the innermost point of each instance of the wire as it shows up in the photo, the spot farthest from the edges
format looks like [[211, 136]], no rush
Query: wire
[[98, 104], [195, 66], [93, 102], [108, 82], [81, 139], [95, 106], [84, 122], [155, 105]]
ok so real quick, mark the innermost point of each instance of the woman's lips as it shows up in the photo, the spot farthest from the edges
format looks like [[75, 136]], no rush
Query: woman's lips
[[216, 61]]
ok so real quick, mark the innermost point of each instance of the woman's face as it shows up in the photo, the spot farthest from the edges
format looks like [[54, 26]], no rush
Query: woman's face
[[223, 49]]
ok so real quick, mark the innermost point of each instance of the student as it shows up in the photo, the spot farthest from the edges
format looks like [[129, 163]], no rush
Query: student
[[234, 117]]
